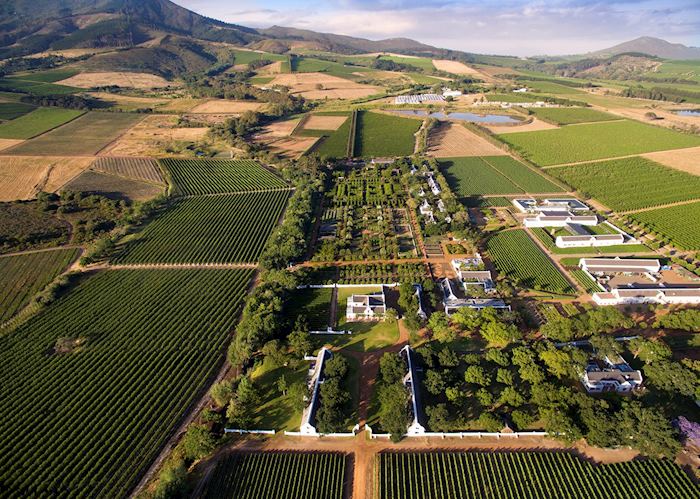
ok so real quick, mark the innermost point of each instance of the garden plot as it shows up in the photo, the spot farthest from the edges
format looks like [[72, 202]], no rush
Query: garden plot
[[306, 85], [223, 106], [23, 177], [119, 79], [596, 141], [83, 136], [449, 140], [153, 136]]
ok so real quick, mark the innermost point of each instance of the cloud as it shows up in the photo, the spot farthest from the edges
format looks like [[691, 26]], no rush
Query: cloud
[[515, 27]]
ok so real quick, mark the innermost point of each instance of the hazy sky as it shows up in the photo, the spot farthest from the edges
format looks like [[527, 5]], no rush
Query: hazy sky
[[517, 27]]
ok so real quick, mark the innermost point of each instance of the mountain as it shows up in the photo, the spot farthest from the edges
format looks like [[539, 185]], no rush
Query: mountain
[[651, 46]]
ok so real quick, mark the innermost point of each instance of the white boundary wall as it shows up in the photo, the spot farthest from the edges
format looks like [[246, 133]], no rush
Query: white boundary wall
[[321, 286], [254, 432]]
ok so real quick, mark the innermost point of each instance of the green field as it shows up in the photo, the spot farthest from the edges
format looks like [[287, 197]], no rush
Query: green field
[[474, 176], [526, 178], [209, 229], [84, 136], [48, 76], [315, 305], [213, 176], [420, 62], [548, 87], [571, 115], [248, 56], [12, 110], [334, 143], [679, 224], [532, 475], [35, 87], [94, 385], [630, 183], [595, 141], [279, 475], [380, 135], [23, 276], [310, 65], [519, 258], [36, 122]]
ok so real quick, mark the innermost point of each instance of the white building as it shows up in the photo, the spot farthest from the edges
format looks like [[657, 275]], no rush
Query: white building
[[611, 376], [531, 205], [427, 211], [560, 219], [602, 266], [433, 184], [308, 416], [660, 296], [412, 383], [454, 299], [446, 92], [371, 306], [594, 240], [418, 99], [419, 290]]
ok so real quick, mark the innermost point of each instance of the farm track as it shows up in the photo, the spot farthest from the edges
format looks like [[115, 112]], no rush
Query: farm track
[[28, 252]]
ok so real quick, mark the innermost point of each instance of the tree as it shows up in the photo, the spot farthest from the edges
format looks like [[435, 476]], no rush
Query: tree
[[243, 406], [300, 342], [392, 368], [335, 367], [448, 358], [282, 385], [453, 394], [648, 431], [484, 397], [649, 350], [490, 422], [333, 398], [439, 417], [391, 315], [276, 352], [511, 397], [172, 481], [522, 419], [560, 424], [298, 393], [558, 362], [393, 410], [497, 357], [672, 377], [408, 301], [605, 346], [532, 373], [434, 382], [198, 442], [559, 329], [440, 327], [468, 318], [221, 393], [504, 376], [477, 375]]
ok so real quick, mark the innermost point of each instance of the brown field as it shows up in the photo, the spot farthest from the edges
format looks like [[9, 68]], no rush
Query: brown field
[[128, 102], [69, 53], [277, 129], [221, 106], [534, 126], [152, 136], [450, 140], [687, 160], [7, 143], [180, 105], [144, 169], [319, 122], [669, 119], [113, 187], [22, 177], [305, 84], [459, 68], [121, 79], [289, 147], [271, 69]]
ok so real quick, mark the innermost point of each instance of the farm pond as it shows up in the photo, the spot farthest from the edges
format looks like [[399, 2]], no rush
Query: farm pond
[[688, 112], [471, 117]]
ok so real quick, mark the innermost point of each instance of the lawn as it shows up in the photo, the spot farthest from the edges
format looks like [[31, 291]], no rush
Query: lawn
[[315, 305], [277, 411], [84, 136], [630, 183], [571, 115], [595, 141], [380, 135], [679, 224], [37, 122]]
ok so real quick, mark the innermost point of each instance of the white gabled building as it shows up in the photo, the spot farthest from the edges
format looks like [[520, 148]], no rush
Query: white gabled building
[[531, 205], [411, 382], [602, 266], [308, 416], [419, 296], [660, 296], [593, 240], [454, 299], [366, 307], [611, 375], [559, 219], [432, 183], [427, 211]]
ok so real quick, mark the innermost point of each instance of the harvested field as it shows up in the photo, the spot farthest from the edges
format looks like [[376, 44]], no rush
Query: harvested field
[[291, 147], [144, 169], [120, 79], [449, 140], [83, 136], [180, 105], [279, 129], [459, 68], [129, 102], [7, 143], [153, 136], [222, 106], [668, 119], [305, 84], [681, 159], [113, 186], [23, 177], [320, 122], [534, 126], [270, 69]]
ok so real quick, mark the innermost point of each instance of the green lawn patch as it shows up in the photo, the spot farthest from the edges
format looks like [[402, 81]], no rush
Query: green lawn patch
[[571, 115], [277, 411], [315, 305], [630, 183], [37, 122], [381, 135], [595, 141]]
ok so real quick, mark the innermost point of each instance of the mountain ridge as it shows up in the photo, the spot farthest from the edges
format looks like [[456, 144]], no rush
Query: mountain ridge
[[656, 47]]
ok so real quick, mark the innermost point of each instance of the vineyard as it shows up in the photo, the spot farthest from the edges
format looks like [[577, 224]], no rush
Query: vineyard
[[630, 183], [12, 110], [678, 224], [212, 176], [93, 386], [522, 176], [144, 169], [571, 115], [334, 144], [519, 258], [209, 229], [474, 176], [527, 475], [595, 141], [22, 276], [279, 475], [384, 135]]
